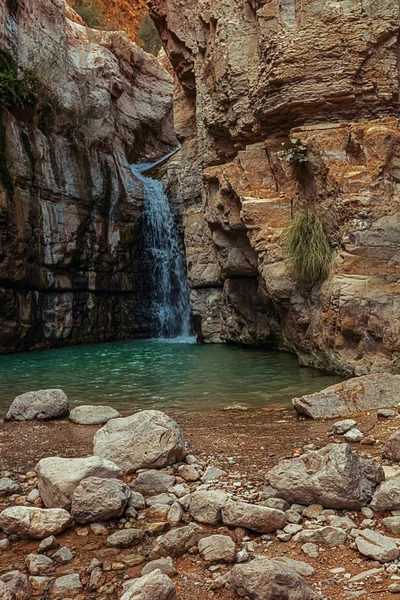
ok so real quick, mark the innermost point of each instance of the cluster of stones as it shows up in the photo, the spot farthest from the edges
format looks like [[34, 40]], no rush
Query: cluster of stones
[[154, 503]]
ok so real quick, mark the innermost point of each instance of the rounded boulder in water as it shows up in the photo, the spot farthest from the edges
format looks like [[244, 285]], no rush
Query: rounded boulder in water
[[147, 440], [42, 406]]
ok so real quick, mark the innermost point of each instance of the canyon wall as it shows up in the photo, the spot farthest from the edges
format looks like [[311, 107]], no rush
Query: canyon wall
[[70, 240], [250, 75]]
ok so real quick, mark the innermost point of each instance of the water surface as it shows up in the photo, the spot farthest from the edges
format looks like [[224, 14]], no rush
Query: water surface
[[161, 374]]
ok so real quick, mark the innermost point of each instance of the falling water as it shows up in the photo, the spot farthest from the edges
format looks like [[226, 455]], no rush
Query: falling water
[[164, 260]]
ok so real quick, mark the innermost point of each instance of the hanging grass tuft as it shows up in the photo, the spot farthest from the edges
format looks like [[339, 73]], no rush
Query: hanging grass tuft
[[307, 247]]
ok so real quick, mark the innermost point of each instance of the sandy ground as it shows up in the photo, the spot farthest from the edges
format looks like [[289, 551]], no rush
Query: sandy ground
[[257, 439]]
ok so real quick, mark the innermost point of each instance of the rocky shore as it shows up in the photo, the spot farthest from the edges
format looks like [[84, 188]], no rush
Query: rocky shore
[[205, 505]]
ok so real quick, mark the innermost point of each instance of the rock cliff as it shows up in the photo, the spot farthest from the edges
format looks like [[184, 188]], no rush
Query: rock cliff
[[70, 242], [252, 74]]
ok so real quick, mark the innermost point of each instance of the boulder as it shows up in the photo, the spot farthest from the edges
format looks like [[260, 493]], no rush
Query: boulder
[[392, 447], [217, 548], [177, 542], [324, 536], [42, 406], [333, 477], [126, 538], [387, 496], [152, 482], [154, 586], [257, 518], [342, 427], [36, 523], [58, 478], [205, 507], [353, 396], [147, 440], [165, 565], [377, 546], [17, 584], [264, 579], [93, 415], [67, 586], [97, 499]]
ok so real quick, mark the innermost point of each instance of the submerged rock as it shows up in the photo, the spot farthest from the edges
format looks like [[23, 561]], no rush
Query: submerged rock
[[41, 406], [36, 523], [93, 415], [359, 394], [147, 440]]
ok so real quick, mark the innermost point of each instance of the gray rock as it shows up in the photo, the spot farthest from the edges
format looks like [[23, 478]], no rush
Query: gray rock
[[93, 415], [97, 499], [8, 487], [392, 524], [126, 538], [49, 543], [356, 395], [217, 548], [16, 583], [175, 514], [147, 440], [67, 586], [154, 586], [310, 550], [387, 496], [205, 507], [38, 563], [277, 503], [177, 542], [342, 427], [392, 448], [212, 474], [136, 500], [5, 545], [152, 482], [165, 565], [33, 496], [303, 569], [394, 588], [161, 499], [333, 477], [377, 546], [354, 435], [257, 518], [327, 536], [63, 556], [58, 478], [386, 413], [343, 523], [372, 471], [264, 579], [36, 523], [41, 406], [5, 593], [189, 472]]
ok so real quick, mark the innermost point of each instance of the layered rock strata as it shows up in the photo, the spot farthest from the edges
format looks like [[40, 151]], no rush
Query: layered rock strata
[[250, 76], [70, 241]]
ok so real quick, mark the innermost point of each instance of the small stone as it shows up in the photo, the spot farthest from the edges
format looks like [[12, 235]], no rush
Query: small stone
[[150, 483], [63, 556], [217, 548], [49, 543], [386, 413], [93, 415], [377, 546], [126, 538], [310, 550], [394, 588], [342, 427], [98, 528], [166, 566], [8, 487], [67, 586], [38, 563], [175, 514], [354, 435], [212, 474], [189, 473], [5, 545], [33, 496]]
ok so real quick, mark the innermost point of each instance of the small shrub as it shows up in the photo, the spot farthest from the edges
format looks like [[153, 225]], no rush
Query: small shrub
[[148, 36], [91, 12], [307, 247], [295, 151], [15, 91]]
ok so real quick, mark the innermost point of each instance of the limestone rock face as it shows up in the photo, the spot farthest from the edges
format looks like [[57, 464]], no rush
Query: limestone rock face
[[252, 75], [333, 477], [36, 523], [352, 396], [147, 440], [70, 260], [41, 406], [58, 478]]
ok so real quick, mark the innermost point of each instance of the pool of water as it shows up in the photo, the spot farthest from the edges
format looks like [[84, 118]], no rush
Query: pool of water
[[134, 375]]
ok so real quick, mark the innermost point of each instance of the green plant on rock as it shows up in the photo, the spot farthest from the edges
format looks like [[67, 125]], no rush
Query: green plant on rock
[[307, 247], [17, 91], [295, 151], [91, 12], [148, 36]]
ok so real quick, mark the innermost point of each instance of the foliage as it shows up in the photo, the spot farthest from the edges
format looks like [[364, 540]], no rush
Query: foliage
[[148, 37], [16, 91], [295, 151], [307, 247], [91, 12]]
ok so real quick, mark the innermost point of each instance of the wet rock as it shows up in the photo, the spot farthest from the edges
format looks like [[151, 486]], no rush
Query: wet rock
[[38, 563], [42, 405], [17, 584], [97, 499], [257, 518], [355, 395], [212, 474], [377, 546], [165, 565], [37, 523], [49, 543], [152, 482], [154, 586], [387, 496], [392, 447], [8, 487], [148, 439], [205, 507], [93, 415], [327, 536], [177, 542], [217, 548], [58, 478], [67, 586], [333, 477], [63, 556], [263, 579], [126, 538], [342, 427]]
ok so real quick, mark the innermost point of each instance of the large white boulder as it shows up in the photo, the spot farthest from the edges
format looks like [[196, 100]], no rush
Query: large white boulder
[[58, 478], [42, 406], [36, 523], [147, 440]]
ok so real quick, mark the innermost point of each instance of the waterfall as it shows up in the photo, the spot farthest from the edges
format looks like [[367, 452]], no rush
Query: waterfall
[[163, 259]]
